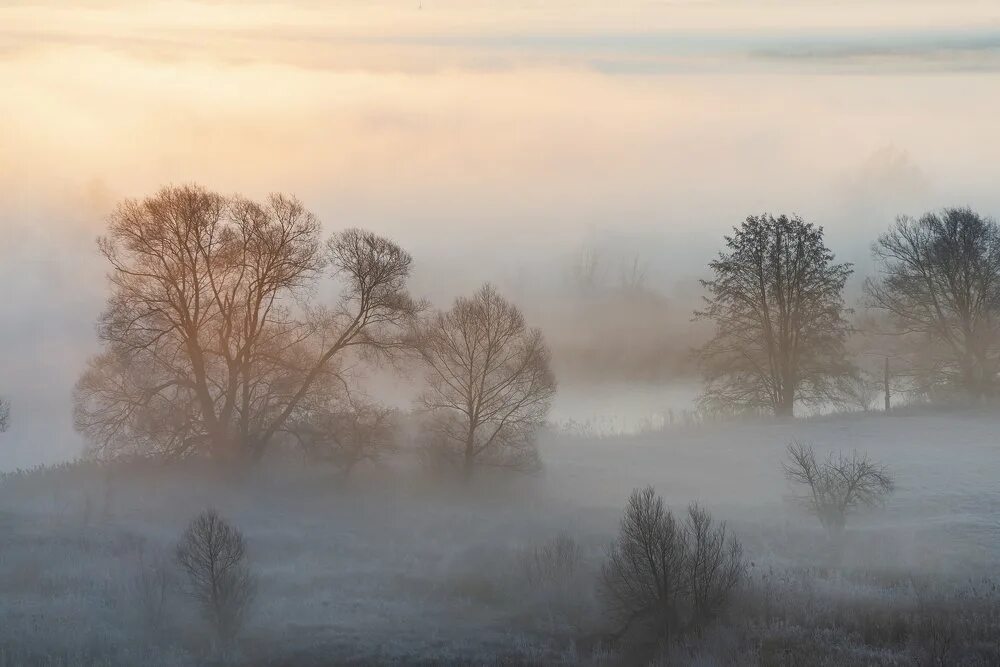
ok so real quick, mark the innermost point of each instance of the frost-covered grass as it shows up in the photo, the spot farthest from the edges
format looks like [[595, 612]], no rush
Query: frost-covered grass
[[398, 567]]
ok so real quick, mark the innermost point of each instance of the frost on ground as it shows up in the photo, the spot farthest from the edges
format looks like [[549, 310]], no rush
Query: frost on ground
[[399, 567]]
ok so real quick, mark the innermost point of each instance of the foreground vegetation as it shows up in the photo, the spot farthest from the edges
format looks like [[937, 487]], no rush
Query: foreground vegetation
[[399, 565]]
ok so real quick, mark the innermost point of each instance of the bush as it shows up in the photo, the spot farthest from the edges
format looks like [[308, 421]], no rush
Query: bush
[[838, 485], [212, 554], [664, 578]]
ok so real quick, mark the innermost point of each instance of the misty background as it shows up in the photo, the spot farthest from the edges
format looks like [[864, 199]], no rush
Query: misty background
[[493, 142]]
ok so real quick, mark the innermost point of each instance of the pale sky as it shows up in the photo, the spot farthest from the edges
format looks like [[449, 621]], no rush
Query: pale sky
[[492, 139]]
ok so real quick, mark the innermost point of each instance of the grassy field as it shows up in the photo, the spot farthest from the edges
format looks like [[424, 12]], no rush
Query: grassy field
[[398, 566]]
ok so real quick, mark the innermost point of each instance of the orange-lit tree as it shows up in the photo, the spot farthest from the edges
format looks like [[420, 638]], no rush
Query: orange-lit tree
[[210, 342]]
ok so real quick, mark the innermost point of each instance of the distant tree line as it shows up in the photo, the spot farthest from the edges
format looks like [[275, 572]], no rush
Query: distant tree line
[[781, 327]]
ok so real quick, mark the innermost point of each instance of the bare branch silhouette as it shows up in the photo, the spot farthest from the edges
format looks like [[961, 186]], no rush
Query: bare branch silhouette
[[489, 383], [210, 342], [838, 485], [939, 280], [212, 554]]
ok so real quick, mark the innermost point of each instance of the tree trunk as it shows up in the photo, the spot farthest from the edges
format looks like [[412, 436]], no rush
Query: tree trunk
[[886, 388], [786, 403], [785, 379], [469, 460]]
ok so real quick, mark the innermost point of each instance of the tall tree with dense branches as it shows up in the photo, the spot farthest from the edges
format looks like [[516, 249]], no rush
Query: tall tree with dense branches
[[939, 280], [210, 344], [776, 301]]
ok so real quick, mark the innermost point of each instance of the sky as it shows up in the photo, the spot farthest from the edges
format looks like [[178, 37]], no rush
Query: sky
[[493, 140]]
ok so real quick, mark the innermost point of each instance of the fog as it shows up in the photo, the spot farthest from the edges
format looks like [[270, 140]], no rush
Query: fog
[[493, 143], [510, 143]]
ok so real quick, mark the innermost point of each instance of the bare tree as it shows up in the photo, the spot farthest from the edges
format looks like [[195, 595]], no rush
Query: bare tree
[[212, 554], [643, 578], [939, 279], [776, 301], [668, 577], [838, 485], [4, 414], [209, 342], [489, 384]]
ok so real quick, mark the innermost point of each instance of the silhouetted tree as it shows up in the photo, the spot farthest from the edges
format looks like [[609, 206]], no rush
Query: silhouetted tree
[[776, 301], [489, 384], [212, 554], [4, 414], [643, 579], [838, 485], [664, 578], [207, 345], [939, 279]]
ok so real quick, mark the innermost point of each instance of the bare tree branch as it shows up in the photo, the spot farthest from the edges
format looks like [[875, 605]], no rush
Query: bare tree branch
[[489, 382], [210, 342], [939, 280], [838, 485]]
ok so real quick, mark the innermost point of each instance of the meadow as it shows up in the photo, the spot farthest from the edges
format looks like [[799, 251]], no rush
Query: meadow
[[400, 565]]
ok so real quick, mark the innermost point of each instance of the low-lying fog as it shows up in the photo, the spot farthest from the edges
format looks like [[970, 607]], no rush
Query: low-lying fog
[[398, 567], [588, 161]]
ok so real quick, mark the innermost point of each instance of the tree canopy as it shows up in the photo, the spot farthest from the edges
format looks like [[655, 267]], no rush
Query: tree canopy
[[211, 338], [489, 382], [777, 305], [939, 280]]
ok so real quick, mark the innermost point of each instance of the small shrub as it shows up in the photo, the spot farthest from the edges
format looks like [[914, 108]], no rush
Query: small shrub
[[212, 554], [668, 578], [838, 485]]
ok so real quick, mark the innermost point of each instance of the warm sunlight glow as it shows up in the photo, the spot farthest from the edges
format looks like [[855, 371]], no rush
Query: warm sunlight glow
[[499, 332]]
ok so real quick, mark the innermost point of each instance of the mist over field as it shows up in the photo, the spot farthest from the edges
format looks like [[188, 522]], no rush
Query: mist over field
[[493, 143], [587, 160]]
